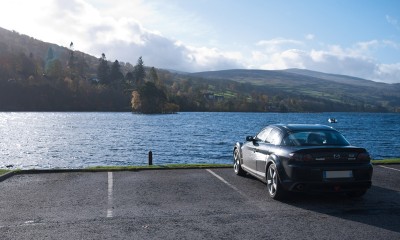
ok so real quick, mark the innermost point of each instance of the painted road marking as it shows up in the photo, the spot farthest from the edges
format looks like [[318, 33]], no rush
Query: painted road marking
[[227, 183], [110, 195], [259, 204], [390, 168]]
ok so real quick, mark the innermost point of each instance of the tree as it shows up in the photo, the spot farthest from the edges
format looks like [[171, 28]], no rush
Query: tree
[[55, 69], [82, 66], [71, 61], [153, 77], [50, 54], [103, 70], [25, 65], [152, 99], [116, 74], [129, 81], [49, 58], [139, 72]]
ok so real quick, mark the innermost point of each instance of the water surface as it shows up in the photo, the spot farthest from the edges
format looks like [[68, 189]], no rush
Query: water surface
[[76, 140]]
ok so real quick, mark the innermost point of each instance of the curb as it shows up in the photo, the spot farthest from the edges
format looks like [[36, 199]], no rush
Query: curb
[[6, 175], [122, 169], [94, 170]]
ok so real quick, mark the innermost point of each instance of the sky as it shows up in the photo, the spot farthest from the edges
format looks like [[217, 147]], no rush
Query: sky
[[359, 38]]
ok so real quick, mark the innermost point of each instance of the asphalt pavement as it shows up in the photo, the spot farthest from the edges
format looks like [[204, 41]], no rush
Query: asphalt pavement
[[189, 204]]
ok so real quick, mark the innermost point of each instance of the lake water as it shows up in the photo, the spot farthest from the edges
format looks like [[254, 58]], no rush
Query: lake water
[[78, 140]]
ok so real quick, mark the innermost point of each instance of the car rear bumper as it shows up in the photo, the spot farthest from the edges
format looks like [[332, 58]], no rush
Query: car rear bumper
[[328, 186], [327, 178]]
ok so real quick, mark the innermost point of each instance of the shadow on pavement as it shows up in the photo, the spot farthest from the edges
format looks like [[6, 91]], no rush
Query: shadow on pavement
[[379, 207]]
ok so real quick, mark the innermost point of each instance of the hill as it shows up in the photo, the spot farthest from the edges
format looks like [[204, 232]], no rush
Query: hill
[[40, 76], [339, 89]]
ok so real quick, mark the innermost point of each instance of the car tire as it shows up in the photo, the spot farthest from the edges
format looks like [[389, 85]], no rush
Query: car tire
[[356, 194], [236, 163], [274, 186]]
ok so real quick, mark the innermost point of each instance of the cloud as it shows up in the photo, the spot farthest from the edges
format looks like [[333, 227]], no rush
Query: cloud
[[391, 44], [310, 36], [388, 72], [126, 39], [113, 28], [355, 61], [277, 44], [393, 21], [116, 33], [162, 52]]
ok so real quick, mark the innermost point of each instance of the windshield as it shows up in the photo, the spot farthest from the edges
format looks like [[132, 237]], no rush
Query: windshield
[[315, 138]]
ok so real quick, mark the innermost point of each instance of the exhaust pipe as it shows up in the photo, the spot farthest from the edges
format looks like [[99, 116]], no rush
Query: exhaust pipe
[[300, 187]]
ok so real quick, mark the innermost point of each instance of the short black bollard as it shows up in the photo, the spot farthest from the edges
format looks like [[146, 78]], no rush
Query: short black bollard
[[150, 158]]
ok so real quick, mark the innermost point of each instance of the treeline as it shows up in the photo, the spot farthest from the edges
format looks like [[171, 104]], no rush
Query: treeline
[[66, 80], [197, 94], [29, 83], [37, 76]]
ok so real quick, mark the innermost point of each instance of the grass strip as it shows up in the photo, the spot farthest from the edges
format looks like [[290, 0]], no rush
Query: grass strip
[[387, 161], [3, 171], [146, 167], [167, 166]]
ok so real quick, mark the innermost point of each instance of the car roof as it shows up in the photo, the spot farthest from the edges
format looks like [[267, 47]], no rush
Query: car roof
[[302, 127]]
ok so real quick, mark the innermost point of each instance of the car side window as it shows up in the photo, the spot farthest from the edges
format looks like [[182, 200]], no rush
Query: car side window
[[263, 134], [274, 137]]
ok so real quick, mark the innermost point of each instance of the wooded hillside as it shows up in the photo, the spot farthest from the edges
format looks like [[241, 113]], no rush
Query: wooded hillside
[[39, 76]]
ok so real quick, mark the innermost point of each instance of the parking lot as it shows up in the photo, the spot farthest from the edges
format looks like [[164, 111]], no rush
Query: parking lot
[[189, 204]]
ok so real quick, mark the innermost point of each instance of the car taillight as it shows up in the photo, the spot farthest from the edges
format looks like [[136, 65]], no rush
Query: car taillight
[[301, 157], [363, 157]]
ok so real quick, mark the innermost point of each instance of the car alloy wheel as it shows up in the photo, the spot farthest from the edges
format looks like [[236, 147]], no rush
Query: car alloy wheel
[[272, 179], [236, 163], [275, 189]]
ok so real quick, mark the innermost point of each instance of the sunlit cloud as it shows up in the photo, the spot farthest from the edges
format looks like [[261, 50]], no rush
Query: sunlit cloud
[[128, 29], [310, 36], [388, 72], [354, 61], [278, 42]]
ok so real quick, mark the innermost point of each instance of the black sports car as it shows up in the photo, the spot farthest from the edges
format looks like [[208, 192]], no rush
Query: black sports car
[[304, 158]]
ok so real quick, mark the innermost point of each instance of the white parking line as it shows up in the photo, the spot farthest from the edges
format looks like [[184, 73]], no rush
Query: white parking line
[[224, 181], [390, 168], [259, 204], [110, 195]]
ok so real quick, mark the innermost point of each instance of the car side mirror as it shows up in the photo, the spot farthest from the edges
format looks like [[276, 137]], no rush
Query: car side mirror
[[250, 139]]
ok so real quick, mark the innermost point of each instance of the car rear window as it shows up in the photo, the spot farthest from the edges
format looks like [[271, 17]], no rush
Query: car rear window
[[315, 138]]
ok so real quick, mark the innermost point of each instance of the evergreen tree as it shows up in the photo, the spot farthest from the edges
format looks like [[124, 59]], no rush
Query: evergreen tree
[[50, 54], [82, 66], [116, 74], [139, 72], [129, 80], [71, 59], [152, 99], [103, 70], [55, 69], [49, 58], [153, 77]]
